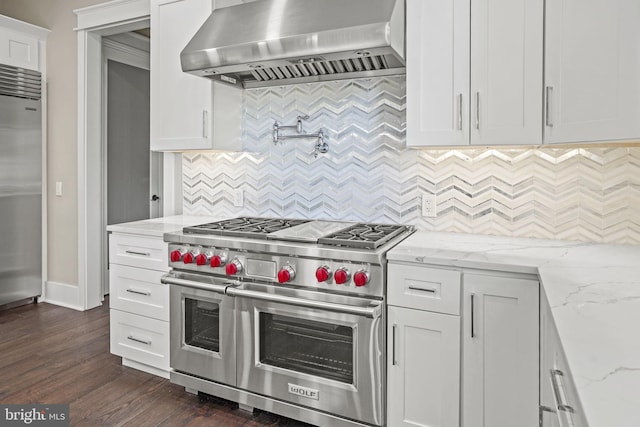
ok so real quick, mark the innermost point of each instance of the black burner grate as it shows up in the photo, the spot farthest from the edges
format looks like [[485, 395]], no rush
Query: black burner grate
[[245, 227], [365, 236]]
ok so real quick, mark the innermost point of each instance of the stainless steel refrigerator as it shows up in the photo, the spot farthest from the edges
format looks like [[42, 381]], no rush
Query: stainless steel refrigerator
[[20, 185]]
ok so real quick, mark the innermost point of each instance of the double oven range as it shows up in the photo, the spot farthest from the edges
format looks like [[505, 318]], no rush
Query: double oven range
[[283, 315]]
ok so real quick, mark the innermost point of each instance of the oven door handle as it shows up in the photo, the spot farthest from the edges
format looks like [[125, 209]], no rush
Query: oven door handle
[[373, 311], [169, 279]]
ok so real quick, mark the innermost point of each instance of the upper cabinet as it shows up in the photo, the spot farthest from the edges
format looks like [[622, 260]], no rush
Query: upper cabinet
[[187, 112], [474, 72], [592, 70], [22, 45]]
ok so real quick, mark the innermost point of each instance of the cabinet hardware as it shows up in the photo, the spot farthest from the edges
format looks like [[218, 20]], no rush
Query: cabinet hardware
[[558, 390], [205, 122], [393, 345], [428, 290], [541, 411], [133, 291], [132, 338], [473, 325], [137, 253], [459, 124], [478, 110], [549, 92]]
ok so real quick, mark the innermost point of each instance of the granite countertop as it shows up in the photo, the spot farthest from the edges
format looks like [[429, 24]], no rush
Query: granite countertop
[[594, 294], [156, 227]]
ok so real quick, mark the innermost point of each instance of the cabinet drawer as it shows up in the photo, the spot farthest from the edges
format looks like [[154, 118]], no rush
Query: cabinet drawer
[[424, 288], [140, 339], [138, 291], [138, 251]]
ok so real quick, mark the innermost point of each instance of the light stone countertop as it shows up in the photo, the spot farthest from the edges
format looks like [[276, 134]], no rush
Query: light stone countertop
[[156, 227], [594, 294]]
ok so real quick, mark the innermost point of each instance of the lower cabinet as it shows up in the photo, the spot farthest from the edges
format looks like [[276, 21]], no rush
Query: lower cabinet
[[462, 348], [423, 368], [139, 302], [500, 345]]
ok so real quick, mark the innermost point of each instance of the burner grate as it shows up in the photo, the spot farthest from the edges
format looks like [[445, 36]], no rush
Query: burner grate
[[366, 236], [245, 227]]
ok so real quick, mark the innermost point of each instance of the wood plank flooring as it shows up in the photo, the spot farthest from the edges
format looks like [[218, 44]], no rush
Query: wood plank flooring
[[51, 354]]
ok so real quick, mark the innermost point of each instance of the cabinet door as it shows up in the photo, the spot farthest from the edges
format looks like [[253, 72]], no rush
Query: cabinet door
[[19, 50], [500, 351], [506, 71], [423, 368], [437, 72], [592, 70], [181, 104]]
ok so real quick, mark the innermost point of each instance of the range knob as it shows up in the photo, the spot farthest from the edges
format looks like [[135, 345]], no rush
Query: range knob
[[341, 276], [188, 258], [361, 278], [176, 255], [234, 267], [218, 260], [323, 273], [286, 274], [202, 259]]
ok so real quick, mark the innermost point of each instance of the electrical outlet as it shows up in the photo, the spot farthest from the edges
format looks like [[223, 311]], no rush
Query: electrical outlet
[[238, 198], [429, 205]]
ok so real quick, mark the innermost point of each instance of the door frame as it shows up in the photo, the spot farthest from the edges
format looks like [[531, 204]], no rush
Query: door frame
[[116, 51], [94, 22]]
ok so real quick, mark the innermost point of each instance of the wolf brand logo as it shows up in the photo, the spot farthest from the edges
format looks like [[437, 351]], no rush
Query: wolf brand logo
[[36, 415], [309, 393]]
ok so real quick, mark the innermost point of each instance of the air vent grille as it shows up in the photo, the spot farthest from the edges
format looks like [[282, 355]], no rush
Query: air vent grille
[[320, 68], [20, 82]]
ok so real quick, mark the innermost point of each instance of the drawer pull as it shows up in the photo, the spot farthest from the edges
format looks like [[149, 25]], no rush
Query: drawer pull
[[428, 290], [473, 315], [132, 338], [394, 362], [133, 291], [137, 253], [557, 377]]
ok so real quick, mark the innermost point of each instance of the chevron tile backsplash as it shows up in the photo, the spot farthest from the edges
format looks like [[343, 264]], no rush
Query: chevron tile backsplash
[[577, 193]]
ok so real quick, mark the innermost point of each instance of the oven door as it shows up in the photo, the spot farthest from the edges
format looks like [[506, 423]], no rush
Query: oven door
[[317, 350], [202, 332]]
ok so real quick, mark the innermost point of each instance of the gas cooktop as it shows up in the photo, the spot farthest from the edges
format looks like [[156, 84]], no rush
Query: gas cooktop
[[332, 233]]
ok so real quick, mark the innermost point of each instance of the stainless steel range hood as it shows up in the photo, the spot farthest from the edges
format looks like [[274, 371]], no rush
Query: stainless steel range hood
[[277, 42]]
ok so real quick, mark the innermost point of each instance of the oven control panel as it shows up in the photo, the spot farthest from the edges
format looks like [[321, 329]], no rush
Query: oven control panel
[[328, 275]]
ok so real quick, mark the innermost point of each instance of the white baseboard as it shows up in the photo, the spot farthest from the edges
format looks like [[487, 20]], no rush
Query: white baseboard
[[63, 295], [146, 368]]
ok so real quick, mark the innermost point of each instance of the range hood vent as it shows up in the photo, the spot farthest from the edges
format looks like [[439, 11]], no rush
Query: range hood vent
[[277, 42]]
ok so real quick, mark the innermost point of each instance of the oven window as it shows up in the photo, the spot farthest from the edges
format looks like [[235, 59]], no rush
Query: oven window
[[202, 324], [315, 348]]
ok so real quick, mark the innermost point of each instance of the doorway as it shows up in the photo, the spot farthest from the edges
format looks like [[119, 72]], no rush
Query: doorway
[[131, 172]]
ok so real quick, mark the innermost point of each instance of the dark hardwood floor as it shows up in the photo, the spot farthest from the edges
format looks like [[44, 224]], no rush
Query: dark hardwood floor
[[51, 354]]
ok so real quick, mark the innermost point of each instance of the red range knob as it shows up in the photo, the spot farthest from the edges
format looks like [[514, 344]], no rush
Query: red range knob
[[234, 267], [286, 274], [187, 258], [201, 259], [176, 256], [361, 278], [341, 276], [218, 261], [323, 273]]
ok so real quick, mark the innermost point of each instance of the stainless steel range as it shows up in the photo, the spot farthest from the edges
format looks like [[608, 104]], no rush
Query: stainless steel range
[[286, 315]]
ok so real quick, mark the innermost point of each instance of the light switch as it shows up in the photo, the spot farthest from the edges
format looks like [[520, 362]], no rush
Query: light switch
[[59, 188]]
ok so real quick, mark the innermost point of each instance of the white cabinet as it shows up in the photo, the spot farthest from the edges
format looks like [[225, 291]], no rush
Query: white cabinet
[[22, 45], [187, 112], [139, 303], [423, 357], [500, 351], [559, 403], [474, 72], [592, 70]]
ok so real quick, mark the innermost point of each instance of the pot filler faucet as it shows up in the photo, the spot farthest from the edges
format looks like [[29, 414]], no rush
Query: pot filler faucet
[[321, 145]]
